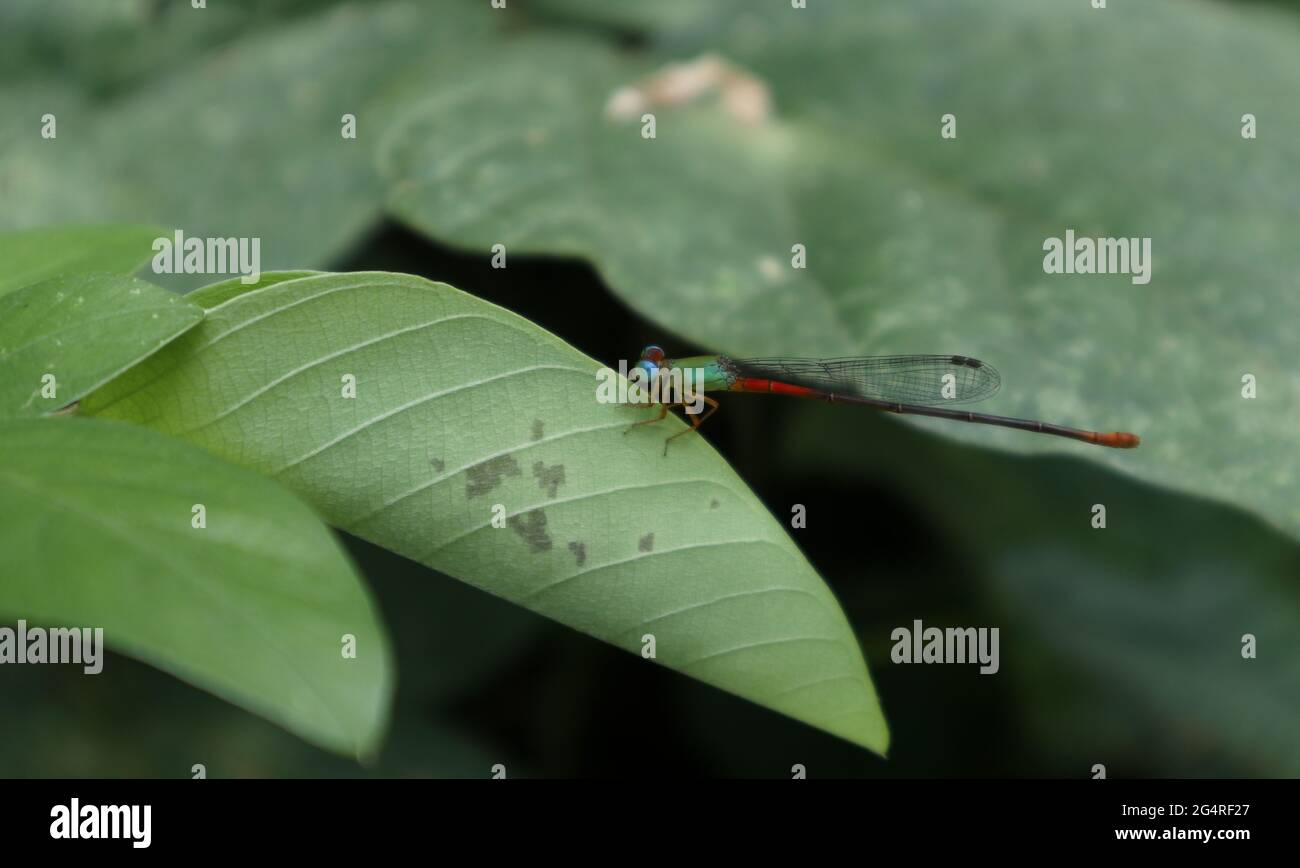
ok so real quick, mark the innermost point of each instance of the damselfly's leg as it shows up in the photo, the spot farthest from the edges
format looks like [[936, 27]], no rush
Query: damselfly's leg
[[663, 411], [696, 420]]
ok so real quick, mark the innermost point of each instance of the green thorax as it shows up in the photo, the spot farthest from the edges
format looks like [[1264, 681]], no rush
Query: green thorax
[[712, 373]]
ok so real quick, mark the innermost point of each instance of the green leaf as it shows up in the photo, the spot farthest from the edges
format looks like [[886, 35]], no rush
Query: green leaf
[[534, 162], [81, 331], [253, 607], [460, 407], [34, 255], [667, 15], [106, 46], [240, 132]]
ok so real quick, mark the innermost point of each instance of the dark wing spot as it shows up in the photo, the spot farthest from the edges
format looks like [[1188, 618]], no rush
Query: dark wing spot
[[538, 427], [438, 464], [482, 478], [532, 527], [713, 504], [579, 551], [549, 478], [646, 543]]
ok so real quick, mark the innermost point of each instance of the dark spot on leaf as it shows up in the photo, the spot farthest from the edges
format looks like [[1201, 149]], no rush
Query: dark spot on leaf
[[647, 542], [532, 527], [438, 464], [549, 478], [579, 551], [482, 478], [713, 504], [537, 429]]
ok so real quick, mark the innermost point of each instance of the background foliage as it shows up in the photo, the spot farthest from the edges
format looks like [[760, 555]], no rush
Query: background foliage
[[479, 126]]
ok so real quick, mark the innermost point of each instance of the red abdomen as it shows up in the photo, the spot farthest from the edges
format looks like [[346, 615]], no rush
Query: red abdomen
[[755, 384]]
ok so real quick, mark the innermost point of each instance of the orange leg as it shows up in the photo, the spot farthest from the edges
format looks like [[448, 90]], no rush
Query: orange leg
[[663, 411], [696, 420]]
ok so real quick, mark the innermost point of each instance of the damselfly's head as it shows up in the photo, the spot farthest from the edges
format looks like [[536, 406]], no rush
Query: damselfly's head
[[651, 356]]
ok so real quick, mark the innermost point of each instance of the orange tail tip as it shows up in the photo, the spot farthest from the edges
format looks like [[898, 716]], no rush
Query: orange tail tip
[[1118, 440]]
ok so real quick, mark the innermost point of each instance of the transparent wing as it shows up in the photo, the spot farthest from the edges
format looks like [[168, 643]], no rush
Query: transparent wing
[[928, 380]]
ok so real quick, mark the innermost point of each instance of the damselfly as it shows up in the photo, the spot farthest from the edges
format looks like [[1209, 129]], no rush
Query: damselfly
[[916, 385]]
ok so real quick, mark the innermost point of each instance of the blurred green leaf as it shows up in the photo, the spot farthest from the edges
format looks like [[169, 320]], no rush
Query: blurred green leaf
[[106, 46], [535, 162], [83, 330], [461, 406], [633, 15], [245, 139], [34, 255], [253, 607], [1139, 145]]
